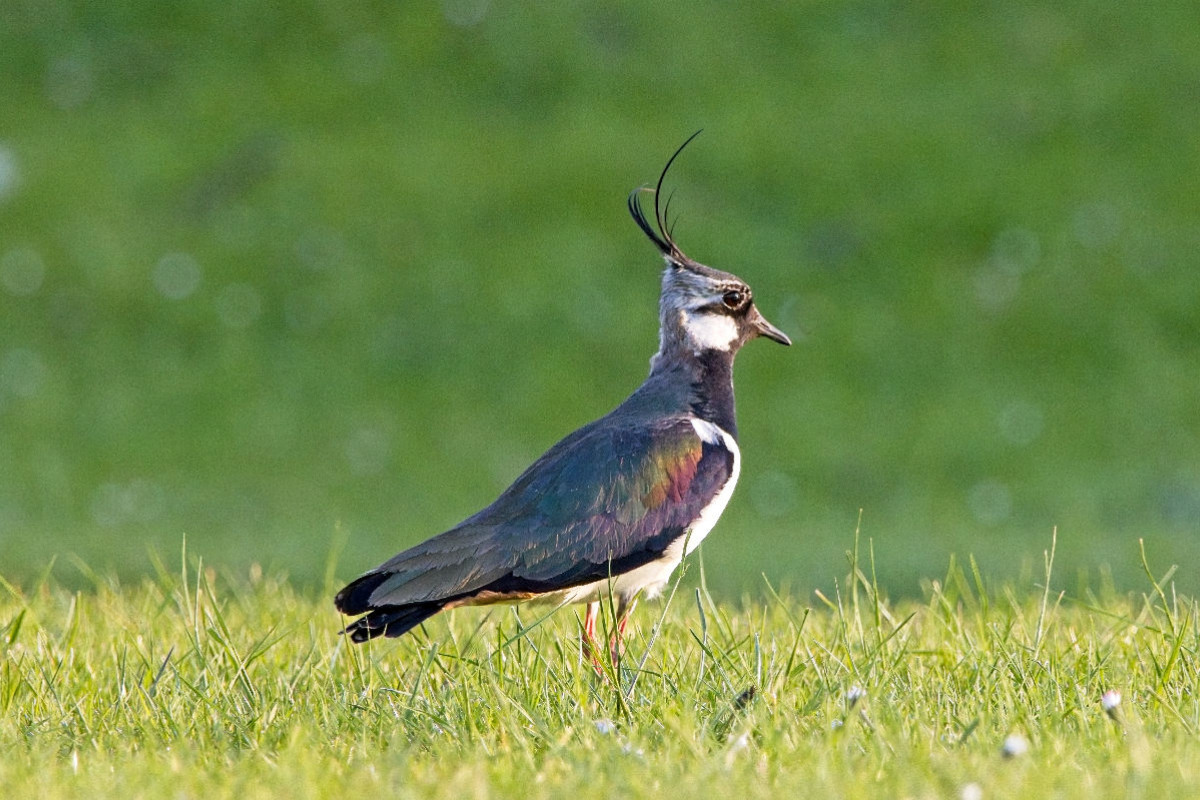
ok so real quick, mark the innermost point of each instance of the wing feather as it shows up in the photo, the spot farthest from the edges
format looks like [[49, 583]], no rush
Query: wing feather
[[601, 502]]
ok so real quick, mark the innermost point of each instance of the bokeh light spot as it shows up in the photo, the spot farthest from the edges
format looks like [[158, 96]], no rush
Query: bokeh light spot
[[69, 82], [139, 500], [1020, 422], [990, 502], [177, 275], [22, 271], [22, 372]]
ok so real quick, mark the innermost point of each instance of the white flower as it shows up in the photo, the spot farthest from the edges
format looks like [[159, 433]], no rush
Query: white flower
[[854, 694], [1110, 700], [1015, 745], [971, 791], [605, 726]]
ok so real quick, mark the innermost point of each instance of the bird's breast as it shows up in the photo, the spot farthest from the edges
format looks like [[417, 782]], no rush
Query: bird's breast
[[712, 512], [649, 579]]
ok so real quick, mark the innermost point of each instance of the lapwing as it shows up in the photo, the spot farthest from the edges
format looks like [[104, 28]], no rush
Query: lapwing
[[611, 510]]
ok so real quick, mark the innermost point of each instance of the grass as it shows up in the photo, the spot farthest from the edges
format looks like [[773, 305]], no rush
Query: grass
[[200, 683]]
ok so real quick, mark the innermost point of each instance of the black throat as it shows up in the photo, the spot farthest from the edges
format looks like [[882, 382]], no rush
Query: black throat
[[683, 381], [712, 389]]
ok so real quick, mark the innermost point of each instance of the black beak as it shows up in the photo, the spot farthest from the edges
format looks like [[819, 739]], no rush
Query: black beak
[[768, 330]]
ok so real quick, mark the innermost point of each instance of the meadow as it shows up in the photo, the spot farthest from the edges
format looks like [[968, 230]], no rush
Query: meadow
[[197, 682]]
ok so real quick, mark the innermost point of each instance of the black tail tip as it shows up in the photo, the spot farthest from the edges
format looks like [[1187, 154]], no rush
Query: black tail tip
[[390, 621], [360, 633]]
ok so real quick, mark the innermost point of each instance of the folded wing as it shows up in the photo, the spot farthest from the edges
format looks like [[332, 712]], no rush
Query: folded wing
[[601, 502]]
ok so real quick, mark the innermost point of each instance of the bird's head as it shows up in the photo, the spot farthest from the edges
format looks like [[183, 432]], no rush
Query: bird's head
[[701, 308]]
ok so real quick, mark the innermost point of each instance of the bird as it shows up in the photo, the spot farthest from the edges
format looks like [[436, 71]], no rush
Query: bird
[[610, 511]]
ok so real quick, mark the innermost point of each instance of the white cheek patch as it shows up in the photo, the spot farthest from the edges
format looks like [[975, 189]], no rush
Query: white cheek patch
[[709, 331]]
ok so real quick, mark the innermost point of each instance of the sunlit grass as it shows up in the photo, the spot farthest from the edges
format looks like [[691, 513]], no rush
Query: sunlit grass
[[200, 683]]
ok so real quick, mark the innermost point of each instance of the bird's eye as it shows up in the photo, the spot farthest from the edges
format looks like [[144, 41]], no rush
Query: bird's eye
[[733, 299]]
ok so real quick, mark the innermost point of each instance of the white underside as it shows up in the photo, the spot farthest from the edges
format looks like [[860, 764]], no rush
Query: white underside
[[649, 579]]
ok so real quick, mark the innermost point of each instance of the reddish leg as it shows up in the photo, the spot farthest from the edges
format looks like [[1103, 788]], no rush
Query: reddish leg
[[587, 640], [616, 645]]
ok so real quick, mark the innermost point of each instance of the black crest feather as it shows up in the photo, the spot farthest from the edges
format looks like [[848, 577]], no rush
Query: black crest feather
[[661, 236]]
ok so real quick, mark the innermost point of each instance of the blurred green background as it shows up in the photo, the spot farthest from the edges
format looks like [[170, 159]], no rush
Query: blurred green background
[[275, 274]]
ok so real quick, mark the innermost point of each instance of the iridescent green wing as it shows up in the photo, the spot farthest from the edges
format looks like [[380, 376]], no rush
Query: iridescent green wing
[[605, 500]]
